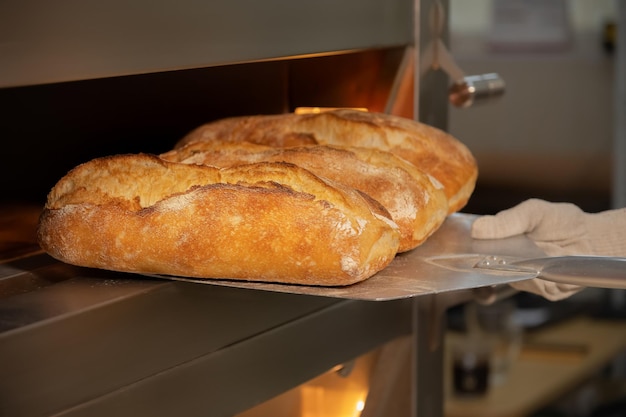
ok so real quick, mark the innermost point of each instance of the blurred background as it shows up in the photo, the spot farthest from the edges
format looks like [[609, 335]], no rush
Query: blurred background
[[552, 133]]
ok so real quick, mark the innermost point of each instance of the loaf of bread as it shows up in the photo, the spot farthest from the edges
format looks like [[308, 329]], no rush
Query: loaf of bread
[[429, 149], [268, 221], [415, 201]]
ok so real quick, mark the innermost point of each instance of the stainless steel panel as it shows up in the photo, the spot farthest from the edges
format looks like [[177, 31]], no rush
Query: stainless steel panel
[[237, 377], [66, 40], [79, 337], [619, 147], [431, 84]]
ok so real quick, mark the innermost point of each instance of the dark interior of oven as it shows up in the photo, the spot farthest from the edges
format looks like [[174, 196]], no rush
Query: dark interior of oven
[[49, 129]]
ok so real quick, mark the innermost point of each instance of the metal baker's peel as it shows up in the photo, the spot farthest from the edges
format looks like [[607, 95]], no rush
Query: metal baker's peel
[[586, 271]]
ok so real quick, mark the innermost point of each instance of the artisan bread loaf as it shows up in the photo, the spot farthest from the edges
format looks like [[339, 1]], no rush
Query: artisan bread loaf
[[273, 222], [415, 201], [430, 149]]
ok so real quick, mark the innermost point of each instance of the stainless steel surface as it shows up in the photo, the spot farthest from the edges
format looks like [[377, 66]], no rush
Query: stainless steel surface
[[82, 342], [431, 105], [443, 263], [428, 356], [44, 42], [619, 142], [586, 271], [476, 89]]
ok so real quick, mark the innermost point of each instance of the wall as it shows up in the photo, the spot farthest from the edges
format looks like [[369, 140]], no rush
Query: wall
[[552, 133]]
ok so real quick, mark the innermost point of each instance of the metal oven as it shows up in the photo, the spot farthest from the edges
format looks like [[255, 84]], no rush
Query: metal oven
[[85, 79]]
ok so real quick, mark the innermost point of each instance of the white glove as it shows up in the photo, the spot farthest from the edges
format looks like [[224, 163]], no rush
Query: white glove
[[559, 229]]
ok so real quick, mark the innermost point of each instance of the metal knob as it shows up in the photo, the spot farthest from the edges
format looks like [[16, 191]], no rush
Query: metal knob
[[474, 89]]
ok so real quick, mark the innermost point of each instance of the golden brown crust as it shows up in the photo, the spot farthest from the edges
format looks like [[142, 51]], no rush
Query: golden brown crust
[[416, 202], [268, 130], [272, 222], [430, 149]]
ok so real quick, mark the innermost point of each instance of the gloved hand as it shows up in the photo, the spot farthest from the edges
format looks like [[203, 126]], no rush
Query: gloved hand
[[559, 229]]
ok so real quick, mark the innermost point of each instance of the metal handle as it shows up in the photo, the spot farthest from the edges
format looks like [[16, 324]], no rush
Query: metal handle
[[474, 89], [586, 271]]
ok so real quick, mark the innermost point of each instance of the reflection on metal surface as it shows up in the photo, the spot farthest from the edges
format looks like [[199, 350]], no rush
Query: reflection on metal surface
[[330, 394], [467, 262]]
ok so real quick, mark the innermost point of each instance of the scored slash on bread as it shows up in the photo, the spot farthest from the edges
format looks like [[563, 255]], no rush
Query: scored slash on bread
[[430, 149], [415, 201], [268, 221]]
